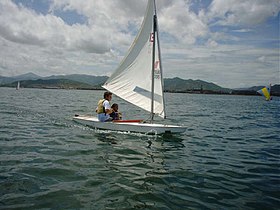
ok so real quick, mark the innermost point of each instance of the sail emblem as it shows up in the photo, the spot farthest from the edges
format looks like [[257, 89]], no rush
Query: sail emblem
[[157, 70], [152, 37], [157, 65]]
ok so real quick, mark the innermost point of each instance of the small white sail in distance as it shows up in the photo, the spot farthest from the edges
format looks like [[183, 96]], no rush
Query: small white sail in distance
[[18, 85], [132, 80]]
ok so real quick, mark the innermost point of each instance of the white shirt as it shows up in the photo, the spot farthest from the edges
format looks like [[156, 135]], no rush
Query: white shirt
[[106, 104]]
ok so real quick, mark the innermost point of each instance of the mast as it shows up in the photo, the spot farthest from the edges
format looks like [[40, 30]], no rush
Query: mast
[[160, 64], [153, 62]]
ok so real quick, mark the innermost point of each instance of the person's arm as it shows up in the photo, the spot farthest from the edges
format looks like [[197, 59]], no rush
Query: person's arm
[[107, 107], [108, 111], [120, 115]]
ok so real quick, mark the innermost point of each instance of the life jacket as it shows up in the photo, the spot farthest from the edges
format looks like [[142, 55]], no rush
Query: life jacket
[[116, 115], [100, 108]]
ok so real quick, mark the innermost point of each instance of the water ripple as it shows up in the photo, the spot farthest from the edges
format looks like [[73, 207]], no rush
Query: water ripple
[[227, 159]]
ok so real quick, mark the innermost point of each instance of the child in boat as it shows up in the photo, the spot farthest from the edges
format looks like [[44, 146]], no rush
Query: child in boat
[[116, 115]]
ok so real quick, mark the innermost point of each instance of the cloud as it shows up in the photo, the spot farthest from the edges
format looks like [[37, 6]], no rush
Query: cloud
[[46, 45], [182, 23], [217, 41], [242, 30], [227, 65], [211, 43], [242, 13], [114, 16], [261, 59], [23, 26]]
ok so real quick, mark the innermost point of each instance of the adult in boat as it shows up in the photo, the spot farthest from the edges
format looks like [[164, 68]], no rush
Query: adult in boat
[[103, 108]]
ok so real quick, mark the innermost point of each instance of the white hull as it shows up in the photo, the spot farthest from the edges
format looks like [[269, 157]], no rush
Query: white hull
[[136, 127]]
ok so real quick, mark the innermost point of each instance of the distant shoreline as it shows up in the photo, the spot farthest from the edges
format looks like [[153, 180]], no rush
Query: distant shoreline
[[205, 92], [87, 82]]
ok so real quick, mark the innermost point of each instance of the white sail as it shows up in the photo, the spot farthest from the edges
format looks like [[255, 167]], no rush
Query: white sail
[[132, 80], [18, 85]]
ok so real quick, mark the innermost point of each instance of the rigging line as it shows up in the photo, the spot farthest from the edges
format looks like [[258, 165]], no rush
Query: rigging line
[[160, 63], [153, 67]]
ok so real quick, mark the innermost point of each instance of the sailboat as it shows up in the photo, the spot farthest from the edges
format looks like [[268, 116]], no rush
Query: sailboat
[[18, 85], [265, 92], [138, 80]]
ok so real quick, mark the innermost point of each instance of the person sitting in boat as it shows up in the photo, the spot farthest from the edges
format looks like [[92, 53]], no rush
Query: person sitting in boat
[[116, 115], [103, 108]]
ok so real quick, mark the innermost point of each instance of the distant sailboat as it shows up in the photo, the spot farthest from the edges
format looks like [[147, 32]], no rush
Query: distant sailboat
[[139, 80], [265, 92], [18, 85]]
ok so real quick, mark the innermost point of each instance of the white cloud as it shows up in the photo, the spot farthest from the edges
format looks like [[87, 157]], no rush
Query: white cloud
[[227, 65], [242, 30], [180, 22], [112, 18], [45, 44], [211, 43], [242, 12], [20, 25], [261, 59]]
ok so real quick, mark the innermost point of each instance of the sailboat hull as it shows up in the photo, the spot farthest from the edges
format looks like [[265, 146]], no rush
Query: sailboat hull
[[135, 127]]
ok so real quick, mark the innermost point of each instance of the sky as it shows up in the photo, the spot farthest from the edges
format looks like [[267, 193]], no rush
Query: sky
[[233, 43]]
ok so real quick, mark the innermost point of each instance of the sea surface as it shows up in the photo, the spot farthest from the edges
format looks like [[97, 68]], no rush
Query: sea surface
[[229, 157]]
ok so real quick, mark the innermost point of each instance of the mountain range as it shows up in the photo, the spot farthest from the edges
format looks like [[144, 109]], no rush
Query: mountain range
[[87, 79], [180, 85], [28, 76], [82, 81]]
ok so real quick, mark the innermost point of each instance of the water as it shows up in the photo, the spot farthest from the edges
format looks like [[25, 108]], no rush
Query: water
[[229, 157]]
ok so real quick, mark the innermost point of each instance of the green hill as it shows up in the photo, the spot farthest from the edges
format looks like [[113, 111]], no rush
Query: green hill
[[93, 82], [81, 81], [52, 84], [27, 76], [275, 90], [87, 79], [180, 85]]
